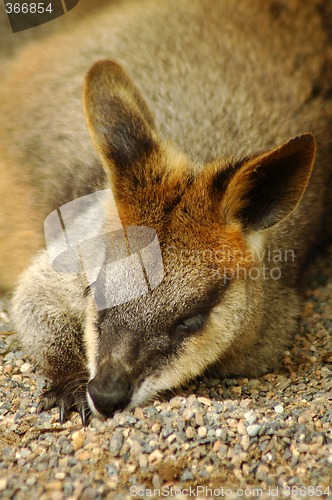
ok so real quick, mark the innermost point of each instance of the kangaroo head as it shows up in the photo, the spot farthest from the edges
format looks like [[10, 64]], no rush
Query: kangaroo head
[[206, 221]]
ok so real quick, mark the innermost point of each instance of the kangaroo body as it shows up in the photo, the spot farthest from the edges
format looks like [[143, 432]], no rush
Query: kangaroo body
[[192, 129]]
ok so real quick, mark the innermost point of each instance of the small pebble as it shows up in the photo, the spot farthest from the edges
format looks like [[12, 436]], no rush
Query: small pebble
[[279, 408], [241, 429], [3, 484], [116, 443], [205, 401], [201, 432], [25, 367], [187, 475], [190, 433], [155, 456], [253, 430], [78, 439]]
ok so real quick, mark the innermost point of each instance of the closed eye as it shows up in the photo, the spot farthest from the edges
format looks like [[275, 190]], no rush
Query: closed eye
[[190, 325], [193, 321]]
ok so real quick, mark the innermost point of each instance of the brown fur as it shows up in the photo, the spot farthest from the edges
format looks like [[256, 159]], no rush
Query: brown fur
[[204, 135]]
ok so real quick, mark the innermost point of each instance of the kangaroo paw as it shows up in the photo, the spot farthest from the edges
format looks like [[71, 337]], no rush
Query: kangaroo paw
[[68, 396]]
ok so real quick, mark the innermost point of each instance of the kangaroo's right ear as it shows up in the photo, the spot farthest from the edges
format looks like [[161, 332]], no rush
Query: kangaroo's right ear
[[119, 120]]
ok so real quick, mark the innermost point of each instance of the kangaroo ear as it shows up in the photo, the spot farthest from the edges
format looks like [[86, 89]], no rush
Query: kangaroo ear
[[119, 121], [267, 188]]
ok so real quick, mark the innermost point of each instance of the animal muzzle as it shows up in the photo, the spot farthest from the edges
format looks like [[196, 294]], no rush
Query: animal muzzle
[[109, 390]]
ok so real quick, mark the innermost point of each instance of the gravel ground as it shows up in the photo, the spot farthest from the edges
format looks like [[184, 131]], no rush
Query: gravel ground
[[236, 438]]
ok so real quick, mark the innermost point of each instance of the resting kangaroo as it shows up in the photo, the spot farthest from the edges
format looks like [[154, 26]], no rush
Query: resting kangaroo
[[205, 137]]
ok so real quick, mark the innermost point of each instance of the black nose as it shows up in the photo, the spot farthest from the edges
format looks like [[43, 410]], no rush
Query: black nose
[[109, 390]]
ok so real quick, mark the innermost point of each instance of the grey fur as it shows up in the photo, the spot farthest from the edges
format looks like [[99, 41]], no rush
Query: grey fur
[[223, 79]]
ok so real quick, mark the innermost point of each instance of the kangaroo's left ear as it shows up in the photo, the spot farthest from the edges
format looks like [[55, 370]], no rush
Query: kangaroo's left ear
[[119, 120], [267, 188]]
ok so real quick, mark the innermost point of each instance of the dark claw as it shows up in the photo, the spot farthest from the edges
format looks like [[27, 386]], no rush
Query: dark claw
[[63, 413], [68, 396], [48, 401], [81, 404], [85, 413]]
